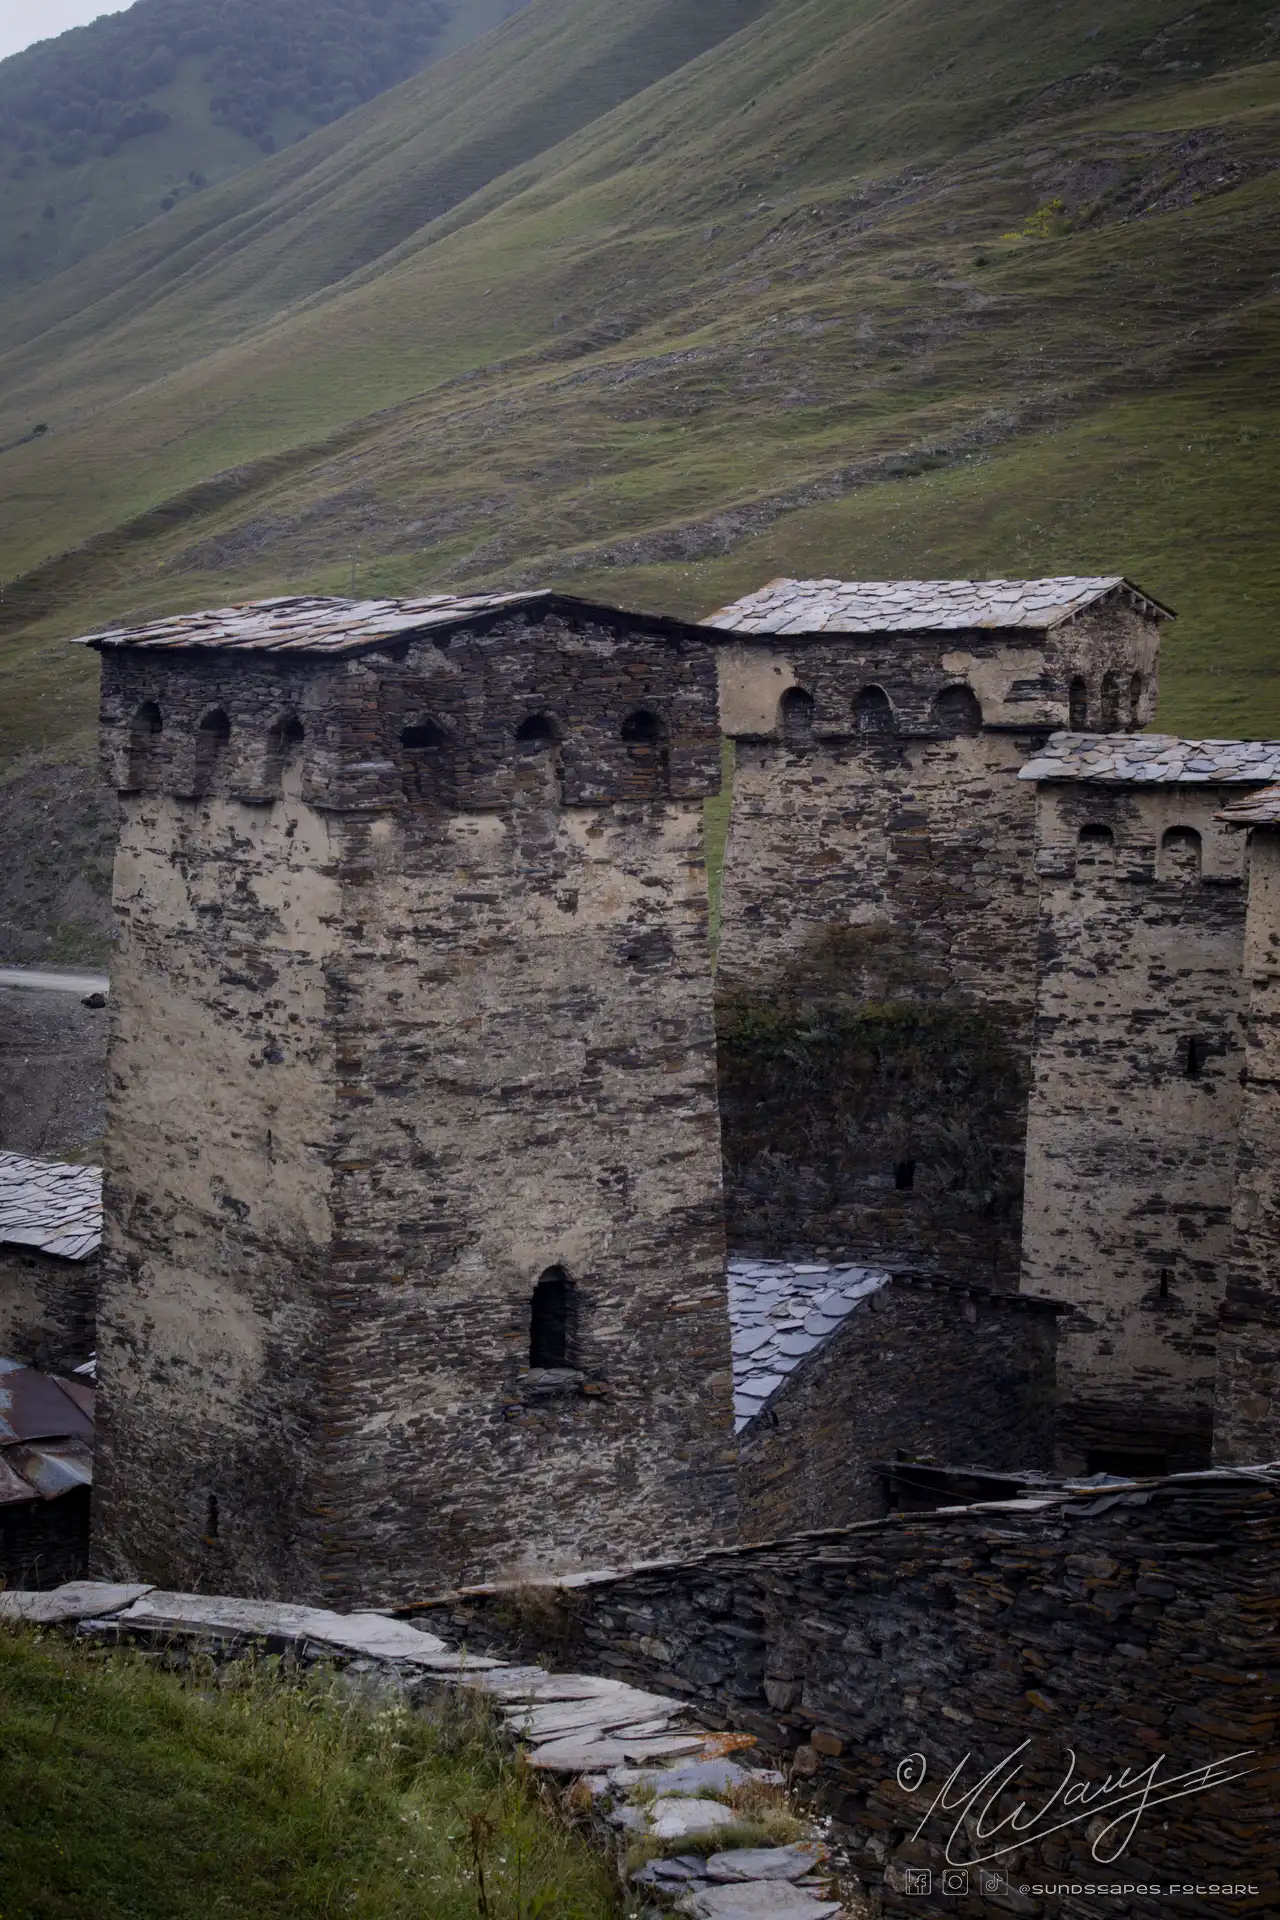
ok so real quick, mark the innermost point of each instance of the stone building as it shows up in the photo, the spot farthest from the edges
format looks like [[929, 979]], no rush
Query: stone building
[[1247, 1398], [50, 1235], [1137, 1096], [414, 1249], [876, 966], [841, 1370]]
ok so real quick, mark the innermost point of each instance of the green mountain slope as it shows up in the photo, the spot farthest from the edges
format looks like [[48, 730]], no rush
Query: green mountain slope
[[662, 301], [110, 125]]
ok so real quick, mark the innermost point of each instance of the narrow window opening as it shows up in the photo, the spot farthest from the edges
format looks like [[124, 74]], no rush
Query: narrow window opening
[[904, 1175], [211, 1518], [1180, 855], [551, 1321], [536, 733], [1195, 1055], [1166, 1276], [286, 736], [1110, 703], [957, 710], [1078, 705], [213, 736], [873, 711], [1095, 850], [795, 713], [642, 728], [423, 736], [1137, 688], [144, 744]]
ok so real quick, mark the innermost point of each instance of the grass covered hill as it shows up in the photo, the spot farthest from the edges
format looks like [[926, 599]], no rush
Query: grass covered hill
[[660, 301], [111, 124]]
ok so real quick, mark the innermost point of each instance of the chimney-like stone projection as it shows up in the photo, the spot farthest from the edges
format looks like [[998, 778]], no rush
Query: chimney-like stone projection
[[877, 957], [414, 1253]]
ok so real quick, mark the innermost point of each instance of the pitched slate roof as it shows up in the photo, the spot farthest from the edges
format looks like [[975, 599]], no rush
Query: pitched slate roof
[[51, 1206], [1153, 759], [1254, 809], [332, 628], [781, 1311], [918, 606]]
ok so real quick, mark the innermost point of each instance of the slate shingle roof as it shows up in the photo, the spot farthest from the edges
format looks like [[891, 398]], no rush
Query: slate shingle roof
[[1254, 809], [304, 624], [1153, 758], [51, 1206], [780, 1312], [920, 606]]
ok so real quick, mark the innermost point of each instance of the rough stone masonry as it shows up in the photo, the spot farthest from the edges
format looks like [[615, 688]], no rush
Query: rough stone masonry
[[877, 956], [414, 1250]]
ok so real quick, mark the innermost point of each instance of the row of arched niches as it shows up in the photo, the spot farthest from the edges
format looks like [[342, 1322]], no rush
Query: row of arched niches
[[1177, 858], [428, 760]]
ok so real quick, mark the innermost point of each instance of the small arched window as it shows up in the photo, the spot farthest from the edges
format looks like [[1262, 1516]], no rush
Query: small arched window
[[1078, 705], [537, 733], [1095, 849], [642, 728], [795, 714], [1180, 855], [645, 738], [1110, 703], [284, 745], [426, 761], [213, 737], [873, 711], [553, 1321], [956, 710], [144, 747], [1137, 689], [423, 736]]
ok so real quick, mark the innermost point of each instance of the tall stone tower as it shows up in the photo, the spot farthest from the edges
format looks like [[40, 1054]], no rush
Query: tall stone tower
[[414, 1255], [877, 957]]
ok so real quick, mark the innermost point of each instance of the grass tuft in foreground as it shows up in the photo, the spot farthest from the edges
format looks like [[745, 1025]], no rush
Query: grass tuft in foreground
[[246, 1791]]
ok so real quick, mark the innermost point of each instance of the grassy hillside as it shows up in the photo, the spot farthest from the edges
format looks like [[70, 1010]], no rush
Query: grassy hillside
[[112, 124], [662, 301]]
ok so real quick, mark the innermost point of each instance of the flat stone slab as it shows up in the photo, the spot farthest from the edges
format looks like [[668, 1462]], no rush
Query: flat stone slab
[[676, 1819], [699, 1776], [758, 1900], [765, 1863], [77, 1600], [628, 1708], [598, 1756], [375, 1635]]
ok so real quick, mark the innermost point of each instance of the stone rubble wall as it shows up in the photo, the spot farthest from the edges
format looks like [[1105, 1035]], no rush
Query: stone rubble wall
[[885, 879], [1125, 1625], [1247, 1396], [922, 1370], [48, 1309], [1129, 1159]]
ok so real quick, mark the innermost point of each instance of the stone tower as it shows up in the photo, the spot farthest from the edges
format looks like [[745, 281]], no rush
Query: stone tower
[[414, 1256], [877, 954], [1137, 1096]]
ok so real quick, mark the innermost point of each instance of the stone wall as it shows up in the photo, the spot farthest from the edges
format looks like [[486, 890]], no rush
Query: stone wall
[[44, 1542], [922, 1370], [53, 1056], [876, 963], [412, 1035], [1247, 1399], [1134, 1111], [1057, 1640], [48, 1309]]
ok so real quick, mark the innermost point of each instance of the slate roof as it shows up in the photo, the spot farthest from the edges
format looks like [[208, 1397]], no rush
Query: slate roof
[[1153, 759], [46, 1435], [50, 1206], [1254, 809], [332, 628], [922, 606], [780, 1311]]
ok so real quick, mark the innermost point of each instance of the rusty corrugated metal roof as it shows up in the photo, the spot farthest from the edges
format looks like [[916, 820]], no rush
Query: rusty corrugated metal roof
[[794, 607], [46, 1435]]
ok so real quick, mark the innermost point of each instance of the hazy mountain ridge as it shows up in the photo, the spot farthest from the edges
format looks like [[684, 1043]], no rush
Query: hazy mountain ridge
[[112, 124]]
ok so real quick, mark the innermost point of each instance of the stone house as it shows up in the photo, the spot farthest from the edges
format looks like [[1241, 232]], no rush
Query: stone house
[[1136, 1106], [50, 1235], [840, 1369], [414, 1244], [877, 954]]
